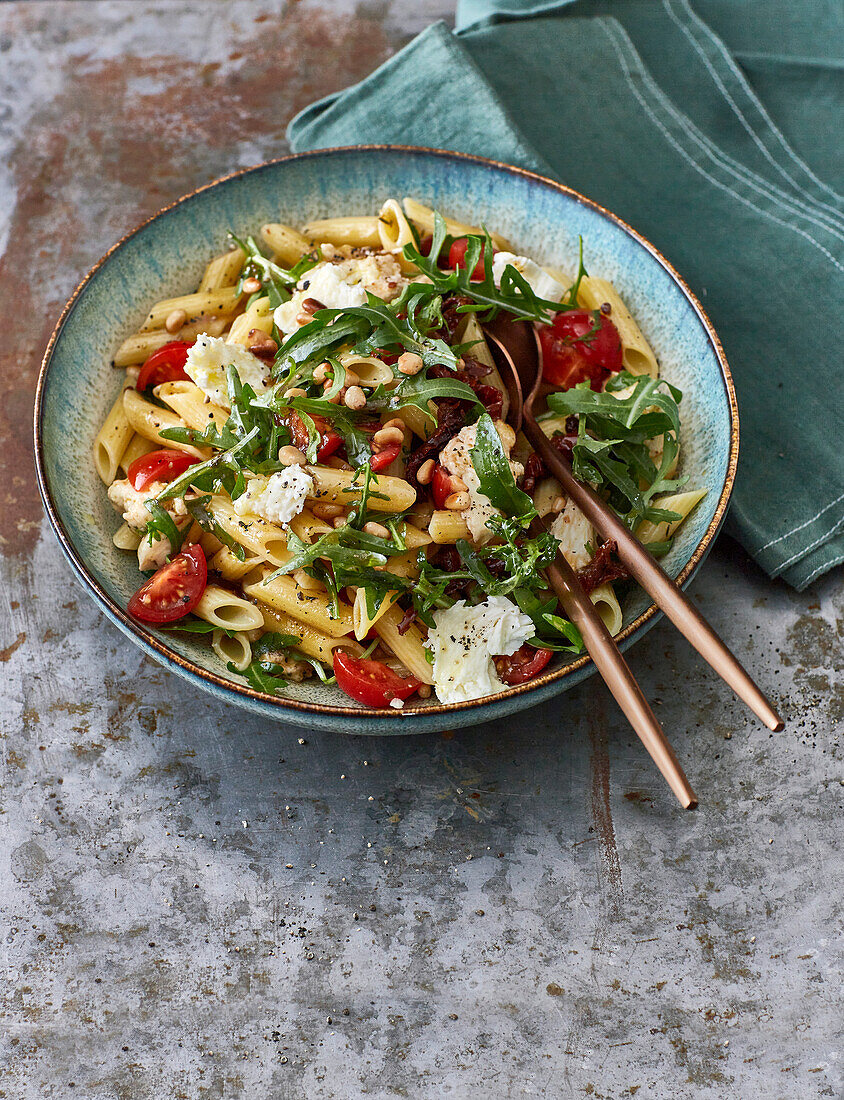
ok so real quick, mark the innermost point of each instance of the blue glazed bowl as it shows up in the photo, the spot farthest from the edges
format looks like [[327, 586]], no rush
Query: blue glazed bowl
[[166, 256]]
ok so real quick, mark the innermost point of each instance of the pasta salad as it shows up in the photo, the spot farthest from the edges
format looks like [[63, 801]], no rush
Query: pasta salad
[[311, 457]]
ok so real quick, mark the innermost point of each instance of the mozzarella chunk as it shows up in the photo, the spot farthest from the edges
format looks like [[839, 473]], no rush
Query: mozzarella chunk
[[455, 457], [130, 503], [206, 366], [541, 283], [573, 531], [341, 284], [464, 641], [153, 555], [277, 498]]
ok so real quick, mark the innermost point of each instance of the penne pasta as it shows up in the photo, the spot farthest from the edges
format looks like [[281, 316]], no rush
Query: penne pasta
[[389, 494], [264, 540], [222, 271], [284, 594], [200, 306], [257, 318], [190, 403], [359, 232], [225, 562], [112, 440], [138, 348], [222, 608], [447, 527], [607, 605], [371, 372], [149, 421], [683, 503], [287, 244], [470, 333], [234, 649], [312, 642], [361, 617], [423, 218], [126, 537], [407, 647]]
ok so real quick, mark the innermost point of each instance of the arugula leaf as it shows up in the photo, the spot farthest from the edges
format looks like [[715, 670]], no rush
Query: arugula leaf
[[162, 525], [276, 280], [612, 452], [514, 295], [198, 509], [550, 627], [495, 476], [205, 474], [574, 289], [259, 679], [418, 390]]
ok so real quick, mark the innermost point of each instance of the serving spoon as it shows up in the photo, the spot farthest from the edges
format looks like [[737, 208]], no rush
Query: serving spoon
[[517, 351]]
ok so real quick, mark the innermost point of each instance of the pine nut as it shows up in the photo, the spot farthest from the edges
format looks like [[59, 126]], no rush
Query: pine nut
[[355, 398], [260, 343], [386, 437], [558, 504], [291, 456], [377, 529], [457, 502], [458, 485], [409, 363], [327, 511], [321, 373], [395, 423], [175, 320], [424, 691], [339, 522], [335, 400], [251, 285], [352, 378], [425, 472], [296, 391], [311, 305]]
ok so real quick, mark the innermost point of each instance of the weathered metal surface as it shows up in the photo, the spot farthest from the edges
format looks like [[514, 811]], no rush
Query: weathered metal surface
[[195, 904]]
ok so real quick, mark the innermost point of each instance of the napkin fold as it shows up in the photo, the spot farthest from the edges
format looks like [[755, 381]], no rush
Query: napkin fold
[[642, 107]]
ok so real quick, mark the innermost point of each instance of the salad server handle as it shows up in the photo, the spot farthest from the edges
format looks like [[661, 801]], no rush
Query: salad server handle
[[618, 677], [644, 569]]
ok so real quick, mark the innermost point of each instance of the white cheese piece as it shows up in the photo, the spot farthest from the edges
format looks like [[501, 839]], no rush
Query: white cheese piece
[[541, 283], [455, 457], [130, 503], [464, 641], [341, 284], [153, 555], [206, 366], [573, 531], [277, 498]]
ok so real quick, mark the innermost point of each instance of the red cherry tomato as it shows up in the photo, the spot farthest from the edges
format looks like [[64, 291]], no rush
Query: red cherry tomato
[[174, 590], [370, 682], [457, 258], [522, 665], [165, 365], [330, 442], [383, 459], [441, 488], [571, 355], [158, 466]]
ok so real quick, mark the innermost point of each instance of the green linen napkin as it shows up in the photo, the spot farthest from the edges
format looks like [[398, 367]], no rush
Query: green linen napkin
[[641, 106]]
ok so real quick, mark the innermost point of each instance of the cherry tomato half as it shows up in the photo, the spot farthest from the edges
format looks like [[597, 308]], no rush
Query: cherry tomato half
[[174, 590], [371, 682], [441, 488], [457, 258], [330, 442], [579, 346], [165, 365], [522, 665], [158, 466], [383, 459]]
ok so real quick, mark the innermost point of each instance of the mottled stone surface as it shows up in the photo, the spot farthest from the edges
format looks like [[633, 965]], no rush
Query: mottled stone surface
[[195, 904]]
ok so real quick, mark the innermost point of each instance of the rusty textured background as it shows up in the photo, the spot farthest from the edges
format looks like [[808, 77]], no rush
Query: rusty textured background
[[195, 904]]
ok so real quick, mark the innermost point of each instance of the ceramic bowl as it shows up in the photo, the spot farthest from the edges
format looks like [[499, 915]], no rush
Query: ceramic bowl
[[165, 257]]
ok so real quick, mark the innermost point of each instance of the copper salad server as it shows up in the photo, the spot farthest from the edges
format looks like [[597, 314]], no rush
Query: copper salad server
[[516, 349]]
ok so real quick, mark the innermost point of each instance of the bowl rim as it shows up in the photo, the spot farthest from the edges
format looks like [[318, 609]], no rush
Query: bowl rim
[[188, 667]]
